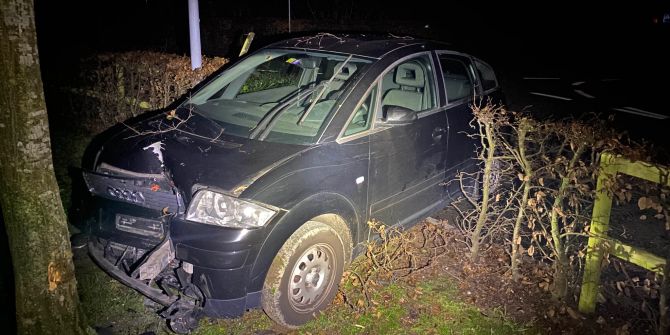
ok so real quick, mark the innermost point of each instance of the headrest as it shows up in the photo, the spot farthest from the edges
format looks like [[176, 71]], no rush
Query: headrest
[[409, 74], [344, 72]]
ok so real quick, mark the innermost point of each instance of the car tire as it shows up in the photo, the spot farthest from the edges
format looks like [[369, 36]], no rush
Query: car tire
[[475, 183], [304, 276]]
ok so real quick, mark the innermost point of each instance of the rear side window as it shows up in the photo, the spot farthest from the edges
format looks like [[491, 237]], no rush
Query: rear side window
[[487, 76], [457, 79]]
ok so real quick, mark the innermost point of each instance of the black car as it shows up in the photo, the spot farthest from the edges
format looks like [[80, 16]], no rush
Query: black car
[[256, 191]]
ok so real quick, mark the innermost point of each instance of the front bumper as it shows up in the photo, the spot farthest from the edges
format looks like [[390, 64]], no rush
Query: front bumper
[[96, 250], [131, 211], [222, 259]]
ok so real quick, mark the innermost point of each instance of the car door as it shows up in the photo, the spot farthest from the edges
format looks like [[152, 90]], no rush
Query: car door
[[407, 160], [460, 87]]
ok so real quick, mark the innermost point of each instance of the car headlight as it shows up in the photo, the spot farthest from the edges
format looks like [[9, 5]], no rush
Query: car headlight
[[226, 211]]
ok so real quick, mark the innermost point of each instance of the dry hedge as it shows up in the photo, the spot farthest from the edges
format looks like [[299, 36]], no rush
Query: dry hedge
[[116, 86]]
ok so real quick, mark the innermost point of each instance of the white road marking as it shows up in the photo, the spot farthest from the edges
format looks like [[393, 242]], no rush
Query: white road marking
[[640, 112], [360, 180], [584, 94], [541, 78], [577, 83], [550, 96]]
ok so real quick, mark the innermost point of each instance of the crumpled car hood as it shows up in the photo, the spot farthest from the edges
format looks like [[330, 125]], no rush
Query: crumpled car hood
[[198, 152]]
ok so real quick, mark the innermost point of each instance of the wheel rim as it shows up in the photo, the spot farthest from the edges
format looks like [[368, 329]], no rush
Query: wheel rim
[[311, 277]]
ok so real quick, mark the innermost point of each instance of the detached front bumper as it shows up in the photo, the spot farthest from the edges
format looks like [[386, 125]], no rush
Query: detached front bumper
[[96, 250], [220, 262]]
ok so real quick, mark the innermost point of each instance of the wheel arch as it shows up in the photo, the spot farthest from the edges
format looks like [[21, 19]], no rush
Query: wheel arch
[[331, 209]]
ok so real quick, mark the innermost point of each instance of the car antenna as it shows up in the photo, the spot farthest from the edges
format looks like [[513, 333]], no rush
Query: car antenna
[[323, 89]]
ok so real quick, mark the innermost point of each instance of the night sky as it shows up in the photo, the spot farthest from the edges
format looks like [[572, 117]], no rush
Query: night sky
[[577, 38], [69, 27]]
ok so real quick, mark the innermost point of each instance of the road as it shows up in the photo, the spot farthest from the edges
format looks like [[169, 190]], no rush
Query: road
[[567, 76], [633, 108]]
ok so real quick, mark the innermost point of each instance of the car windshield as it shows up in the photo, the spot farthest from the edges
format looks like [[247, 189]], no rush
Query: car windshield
[[277, 95]]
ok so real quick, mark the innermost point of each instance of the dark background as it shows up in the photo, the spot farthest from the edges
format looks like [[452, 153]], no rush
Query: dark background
[[573, 40], [592, 35], [577, 41]]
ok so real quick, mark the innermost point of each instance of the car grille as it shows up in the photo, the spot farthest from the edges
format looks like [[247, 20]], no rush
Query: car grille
[[146, 190]]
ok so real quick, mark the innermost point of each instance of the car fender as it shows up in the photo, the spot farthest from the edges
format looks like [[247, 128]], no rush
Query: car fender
[[318, 205]]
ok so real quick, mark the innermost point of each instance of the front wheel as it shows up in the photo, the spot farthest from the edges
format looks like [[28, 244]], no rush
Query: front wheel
[[304, 276]]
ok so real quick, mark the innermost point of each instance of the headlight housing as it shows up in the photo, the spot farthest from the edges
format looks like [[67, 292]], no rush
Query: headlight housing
[[222, 210]]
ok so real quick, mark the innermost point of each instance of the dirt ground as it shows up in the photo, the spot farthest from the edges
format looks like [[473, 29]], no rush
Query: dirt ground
[[622, 309]]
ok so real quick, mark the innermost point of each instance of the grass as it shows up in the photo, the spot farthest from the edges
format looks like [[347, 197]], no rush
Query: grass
[[429, 307], [109, 304]]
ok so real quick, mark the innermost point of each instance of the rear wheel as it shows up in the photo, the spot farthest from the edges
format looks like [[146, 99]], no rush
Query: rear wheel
[[304, 276], [473, 183]]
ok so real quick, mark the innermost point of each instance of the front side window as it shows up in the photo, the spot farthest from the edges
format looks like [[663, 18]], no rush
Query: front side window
[[277, 95], [363, 116], [457, 80], [410, 85]]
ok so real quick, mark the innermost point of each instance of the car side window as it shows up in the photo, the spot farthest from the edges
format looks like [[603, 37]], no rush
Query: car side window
[[457, 80], [410, 85], [486, 75], [362, 118]]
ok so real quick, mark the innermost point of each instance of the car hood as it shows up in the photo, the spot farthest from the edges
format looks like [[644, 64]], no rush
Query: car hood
[[197, 152]]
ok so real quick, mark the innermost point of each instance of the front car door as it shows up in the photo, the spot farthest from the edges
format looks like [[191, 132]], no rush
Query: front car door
[[407, 161]]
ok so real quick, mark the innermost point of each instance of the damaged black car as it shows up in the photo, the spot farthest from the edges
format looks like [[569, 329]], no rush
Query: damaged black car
[[256, 191]]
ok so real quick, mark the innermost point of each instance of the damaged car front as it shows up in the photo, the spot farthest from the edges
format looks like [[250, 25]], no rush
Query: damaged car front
[[182, 207]]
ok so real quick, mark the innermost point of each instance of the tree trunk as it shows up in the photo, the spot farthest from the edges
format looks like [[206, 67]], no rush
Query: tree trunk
[[46, 289], [476, 237], [559, 289], [527, 168]]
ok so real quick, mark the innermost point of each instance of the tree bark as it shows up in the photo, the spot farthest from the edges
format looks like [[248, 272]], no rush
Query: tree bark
[[524, 127], [476, 237], [46, 289], [559, 289]]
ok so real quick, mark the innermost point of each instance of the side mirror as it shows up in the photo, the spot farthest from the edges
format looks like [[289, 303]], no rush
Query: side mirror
[[398, 115]]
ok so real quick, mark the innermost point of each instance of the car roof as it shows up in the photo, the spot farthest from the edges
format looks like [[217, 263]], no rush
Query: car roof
[[366, 45]]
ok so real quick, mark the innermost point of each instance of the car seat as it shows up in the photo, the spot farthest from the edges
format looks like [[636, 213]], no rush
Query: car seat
[[410, 79], [344, 72]]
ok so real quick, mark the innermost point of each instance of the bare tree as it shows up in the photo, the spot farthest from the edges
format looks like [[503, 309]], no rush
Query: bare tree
[[46, 289]]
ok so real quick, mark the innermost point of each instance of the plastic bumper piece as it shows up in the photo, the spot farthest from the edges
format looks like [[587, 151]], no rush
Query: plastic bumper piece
[[157, 295]]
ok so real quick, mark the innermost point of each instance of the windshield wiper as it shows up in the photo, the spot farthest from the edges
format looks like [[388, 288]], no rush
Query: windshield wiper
[[266, 121], [269, 120]]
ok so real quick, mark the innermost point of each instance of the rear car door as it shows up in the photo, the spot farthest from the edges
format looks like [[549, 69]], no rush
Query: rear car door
[[460, 86], [407, 161]]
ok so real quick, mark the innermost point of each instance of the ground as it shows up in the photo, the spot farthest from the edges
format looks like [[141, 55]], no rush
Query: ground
[[449, 296]]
